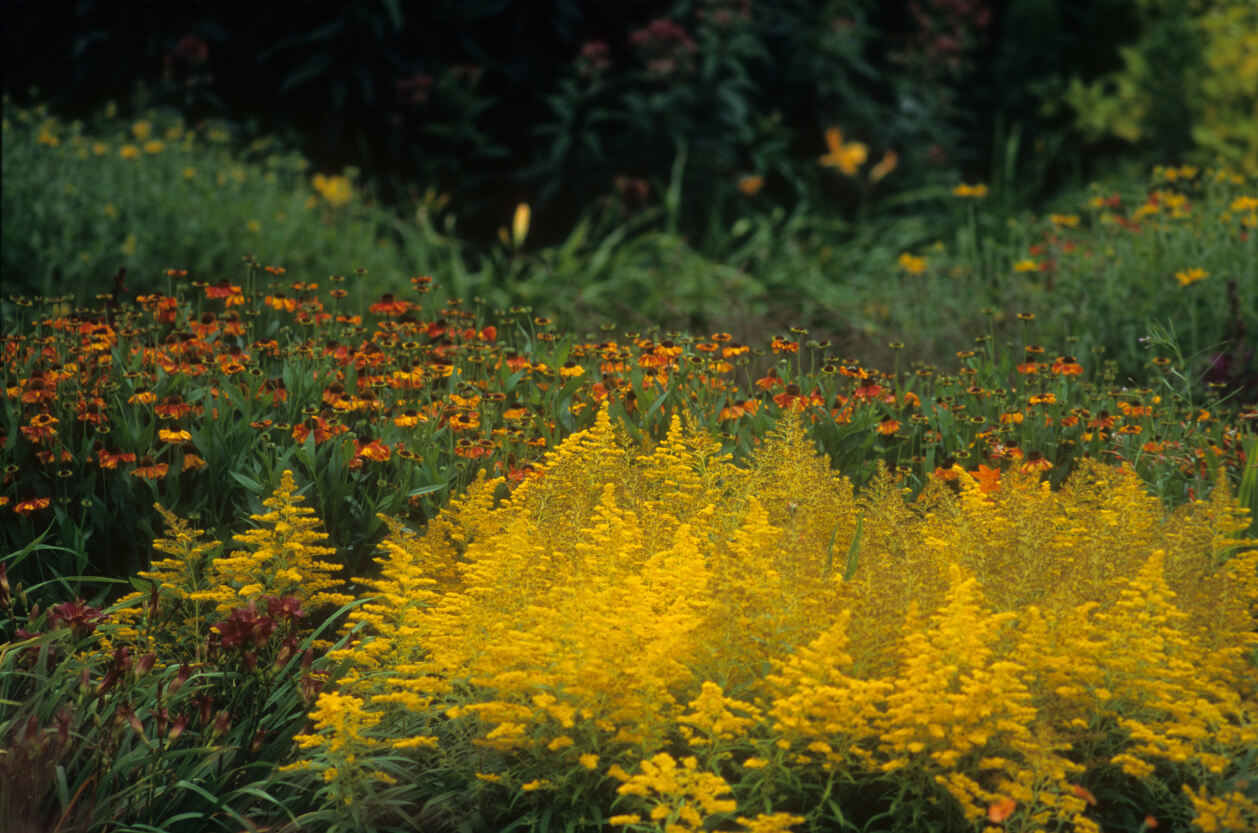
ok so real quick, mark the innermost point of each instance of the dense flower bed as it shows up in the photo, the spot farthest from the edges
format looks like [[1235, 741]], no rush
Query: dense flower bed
[[663, 640], [201, 401]]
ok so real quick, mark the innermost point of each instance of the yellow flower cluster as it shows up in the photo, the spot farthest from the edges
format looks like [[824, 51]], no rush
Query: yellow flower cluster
[[279, 559], [195, 585], [988, 651], [174, 581], [683, 797]]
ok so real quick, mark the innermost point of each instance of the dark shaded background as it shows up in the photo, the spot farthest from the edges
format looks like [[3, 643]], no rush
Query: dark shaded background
[[497, 102]]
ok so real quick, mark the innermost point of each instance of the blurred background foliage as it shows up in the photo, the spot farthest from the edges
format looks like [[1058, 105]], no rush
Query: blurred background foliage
[[482, 104]]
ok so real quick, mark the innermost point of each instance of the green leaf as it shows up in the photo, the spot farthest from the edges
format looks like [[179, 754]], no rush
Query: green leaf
[[853, 550], [248, 482]]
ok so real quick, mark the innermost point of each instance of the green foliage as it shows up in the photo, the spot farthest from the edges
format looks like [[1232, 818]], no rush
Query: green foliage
[[1188, 88], [148, 195], [106, 727], [583, 98]]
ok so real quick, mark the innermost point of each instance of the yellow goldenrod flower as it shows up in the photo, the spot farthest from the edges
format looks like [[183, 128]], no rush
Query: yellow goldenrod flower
[[964, 643], [770, 823]]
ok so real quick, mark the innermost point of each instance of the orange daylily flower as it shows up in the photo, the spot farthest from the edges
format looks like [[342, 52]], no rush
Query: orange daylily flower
[[1000, 811], [846, 157], [988, 479], [886, 166]]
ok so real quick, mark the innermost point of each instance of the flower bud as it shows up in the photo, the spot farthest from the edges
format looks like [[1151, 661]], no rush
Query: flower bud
[[176, 728]]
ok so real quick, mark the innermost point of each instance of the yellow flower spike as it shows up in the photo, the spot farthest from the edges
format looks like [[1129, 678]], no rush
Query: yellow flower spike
[[283, 560]]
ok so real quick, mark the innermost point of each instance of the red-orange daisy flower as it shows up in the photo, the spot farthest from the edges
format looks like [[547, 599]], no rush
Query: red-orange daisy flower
[[374, 450], [770, 380], [1035, 462], [388, 305], [26, 507], [150, 469], [313, 425], [112, 459], [1067, 366], [173, 407], [781, 345], [42, 429], [230, 295]]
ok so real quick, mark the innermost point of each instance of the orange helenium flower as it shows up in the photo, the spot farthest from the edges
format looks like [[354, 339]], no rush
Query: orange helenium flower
[[150, 469], [1035, 462], [375, 451], [26, 507]]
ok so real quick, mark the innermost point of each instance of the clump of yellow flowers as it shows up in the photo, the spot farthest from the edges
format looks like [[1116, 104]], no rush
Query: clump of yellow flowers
[[681, 642], [197, 583], [282, 556]]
